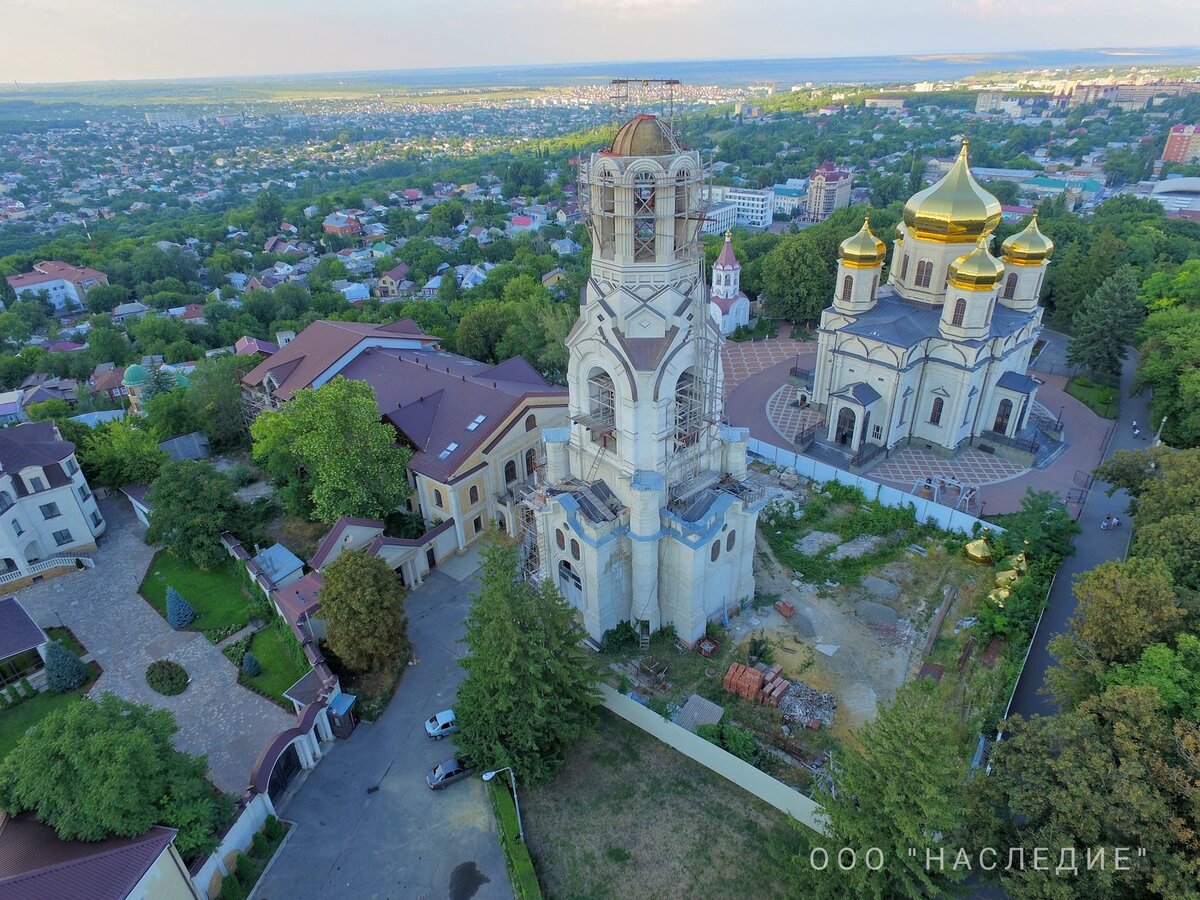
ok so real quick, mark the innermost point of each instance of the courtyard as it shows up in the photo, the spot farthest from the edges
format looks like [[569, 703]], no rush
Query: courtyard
[[124, 634]]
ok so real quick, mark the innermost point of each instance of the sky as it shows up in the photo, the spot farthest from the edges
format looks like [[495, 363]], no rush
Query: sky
[[97, 40]]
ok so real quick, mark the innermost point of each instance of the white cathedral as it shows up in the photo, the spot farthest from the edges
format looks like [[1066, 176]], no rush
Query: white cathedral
[[938, 355], [645, 515]]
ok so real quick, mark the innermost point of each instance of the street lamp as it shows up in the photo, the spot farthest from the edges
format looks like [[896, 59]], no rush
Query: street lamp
[[1158, 434], [512, 778]]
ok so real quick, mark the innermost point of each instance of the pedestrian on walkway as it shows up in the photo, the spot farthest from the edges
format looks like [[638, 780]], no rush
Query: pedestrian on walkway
[[1107, 521]]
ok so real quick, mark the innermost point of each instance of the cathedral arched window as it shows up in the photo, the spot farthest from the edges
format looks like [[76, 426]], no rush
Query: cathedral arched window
[[602, 406], [904, 268], [715, 552], [559, 539], [1010, 286], [688, 409], [510, 471], [960, 311], [847, 288], [924, 273], [729, 541], [874, 286], [935, 414], [530, 422], [574, 548]]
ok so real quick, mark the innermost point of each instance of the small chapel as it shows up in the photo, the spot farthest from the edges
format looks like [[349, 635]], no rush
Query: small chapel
[[645, 514], [936, 356], [728, 303]]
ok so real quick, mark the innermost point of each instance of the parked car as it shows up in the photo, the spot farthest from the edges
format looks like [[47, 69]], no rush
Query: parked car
[[440, 725], [447, 773]]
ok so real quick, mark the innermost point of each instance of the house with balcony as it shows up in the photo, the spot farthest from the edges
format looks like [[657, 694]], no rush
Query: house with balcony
[[48, 513]]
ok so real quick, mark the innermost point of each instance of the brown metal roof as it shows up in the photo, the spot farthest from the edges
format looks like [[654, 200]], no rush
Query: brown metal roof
[[35, 864]]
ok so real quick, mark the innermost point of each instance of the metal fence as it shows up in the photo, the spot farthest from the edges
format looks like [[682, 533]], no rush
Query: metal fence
[[926, 510]]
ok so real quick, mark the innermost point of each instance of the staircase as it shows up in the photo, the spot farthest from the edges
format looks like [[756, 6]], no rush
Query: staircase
[[643, 636]]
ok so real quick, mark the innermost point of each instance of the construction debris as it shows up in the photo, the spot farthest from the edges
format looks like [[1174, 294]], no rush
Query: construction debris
[[786, 609], [803, 704], [760, 683]]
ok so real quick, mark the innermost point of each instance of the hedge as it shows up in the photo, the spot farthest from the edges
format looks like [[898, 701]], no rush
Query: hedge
[[520, 867]]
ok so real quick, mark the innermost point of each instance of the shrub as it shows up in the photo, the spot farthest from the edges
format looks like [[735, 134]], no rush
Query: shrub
[[260, 846], [236, 651], [166, 677], [522, 875], [179, 612], [231, 887], [246, 870], [14, 696], [250, 666], [64, 670], [730, 738], [241, 475], [619, 638], [27, 688], [272, 829]]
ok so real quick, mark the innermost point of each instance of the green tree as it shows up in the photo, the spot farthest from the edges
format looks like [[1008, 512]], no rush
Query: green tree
[[190, 505], [116, 454], [64, 670], [1169, 343], [107, 767], [49, 409], [448, 290], [106, 297], [314, 429], [1172, 671], [215, 397], [902, 790], [1123, 606], [483, 328], [362, 603], [1105, 325], [1108, 774], [794, 280], [170, 414], [530, 689], [267, 209], [160, 381]]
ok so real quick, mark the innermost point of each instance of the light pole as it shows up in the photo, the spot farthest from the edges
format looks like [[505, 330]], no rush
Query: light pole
[[512, 779], [1158, 434]]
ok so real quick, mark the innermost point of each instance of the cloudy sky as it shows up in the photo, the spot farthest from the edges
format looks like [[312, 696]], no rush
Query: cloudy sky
[[85, 40]]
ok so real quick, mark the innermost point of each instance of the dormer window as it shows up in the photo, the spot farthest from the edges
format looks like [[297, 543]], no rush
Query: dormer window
[[36, 483]]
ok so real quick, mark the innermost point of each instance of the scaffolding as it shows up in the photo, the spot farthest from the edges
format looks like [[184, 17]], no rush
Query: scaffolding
[[630, 92]]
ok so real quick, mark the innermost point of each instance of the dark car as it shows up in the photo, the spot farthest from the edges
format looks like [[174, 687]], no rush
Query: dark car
[[447, 773]]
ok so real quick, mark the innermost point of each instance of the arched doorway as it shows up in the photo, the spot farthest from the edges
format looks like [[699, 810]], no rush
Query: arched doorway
[[530, 461], [1003, 414], [844, 433], [570, 584], [285, 769]]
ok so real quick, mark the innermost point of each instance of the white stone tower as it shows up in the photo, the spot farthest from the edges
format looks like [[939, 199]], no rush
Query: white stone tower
[[645, 516], [727, 271]]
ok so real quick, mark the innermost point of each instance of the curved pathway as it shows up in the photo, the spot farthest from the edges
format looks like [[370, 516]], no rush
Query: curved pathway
[[124, 634]]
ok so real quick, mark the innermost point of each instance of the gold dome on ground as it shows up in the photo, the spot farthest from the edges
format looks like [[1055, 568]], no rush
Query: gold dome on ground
[[1027, 247], [977, 270], [863, 250], [955, 209], [644, 135]]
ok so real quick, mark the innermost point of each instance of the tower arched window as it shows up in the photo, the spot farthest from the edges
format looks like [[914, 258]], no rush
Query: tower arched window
[[530, 422], [935, 414], [1010, 286], [924, 273], [715, 552], [474, 494], [643, 216], [874, 286], [602, 407], [730, 540], [559, 539], [688, 409], [960, 311], [847, 288], [904, 268]]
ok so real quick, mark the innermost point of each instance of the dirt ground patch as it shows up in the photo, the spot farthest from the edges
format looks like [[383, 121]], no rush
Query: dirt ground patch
[[630, 817], [298, 535]]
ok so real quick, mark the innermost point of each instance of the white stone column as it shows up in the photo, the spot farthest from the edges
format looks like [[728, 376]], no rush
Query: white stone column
[[644, 524], [323, 728], [314, 746], [306, 760]]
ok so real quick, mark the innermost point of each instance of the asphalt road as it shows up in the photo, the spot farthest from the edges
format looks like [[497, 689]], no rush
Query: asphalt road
[[1092, 547], [402, 840]]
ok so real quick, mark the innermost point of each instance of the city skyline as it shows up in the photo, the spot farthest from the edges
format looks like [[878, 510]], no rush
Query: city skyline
[[139, 40]]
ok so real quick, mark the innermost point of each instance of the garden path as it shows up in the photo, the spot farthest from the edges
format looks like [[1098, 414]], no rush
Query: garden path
[[124, 634]]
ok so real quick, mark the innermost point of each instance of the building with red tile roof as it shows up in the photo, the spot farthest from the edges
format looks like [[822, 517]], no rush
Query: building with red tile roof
[[66, 285]]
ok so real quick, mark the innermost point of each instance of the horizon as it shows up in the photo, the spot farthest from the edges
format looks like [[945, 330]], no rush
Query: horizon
[[1121, 56], [138, 40]]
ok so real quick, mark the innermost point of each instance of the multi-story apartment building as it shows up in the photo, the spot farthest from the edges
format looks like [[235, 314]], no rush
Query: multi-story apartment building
[[1183, 144], [48, 513], [66, 285], [720, 217], [828, 189]]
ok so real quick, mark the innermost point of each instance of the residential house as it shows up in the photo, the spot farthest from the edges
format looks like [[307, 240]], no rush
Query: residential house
[[66, 285], [47, 509], [22, 642], [248, 346], [475, 429], [553, 277], [131, 310], [340, 223], [565, 247], [12, 407], [351, 290], [41, 387], [36, 864], [105, 382], [390, 281]]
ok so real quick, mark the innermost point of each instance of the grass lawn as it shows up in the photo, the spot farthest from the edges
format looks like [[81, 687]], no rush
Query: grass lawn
[[1099, 399], [279, 668], [15, 721], [67, 638], [218, 595], [630, 817]]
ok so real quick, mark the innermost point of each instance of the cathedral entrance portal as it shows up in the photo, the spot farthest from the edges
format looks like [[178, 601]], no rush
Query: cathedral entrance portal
[[1003, 414], [844, 433]]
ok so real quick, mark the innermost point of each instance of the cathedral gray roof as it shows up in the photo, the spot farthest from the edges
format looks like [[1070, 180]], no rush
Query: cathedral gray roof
[[861, 392], [1019, 382], [903, 323]]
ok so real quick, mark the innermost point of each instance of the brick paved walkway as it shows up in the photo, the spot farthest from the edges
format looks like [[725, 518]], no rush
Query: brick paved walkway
[[124, 634], [969, 466], [745, 358], [786, 417]]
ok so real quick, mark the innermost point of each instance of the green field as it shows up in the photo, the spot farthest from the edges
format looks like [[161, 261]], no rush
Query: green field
[[280, 670], [14, 722], [1099, 399], [218, 596]]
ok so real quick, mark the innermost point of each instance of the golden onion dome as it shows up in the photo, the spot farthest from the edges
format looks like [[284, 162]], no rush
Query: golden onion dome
[[1027, 247], [863, 250], [644, 135], [977, 270], [954, 210]]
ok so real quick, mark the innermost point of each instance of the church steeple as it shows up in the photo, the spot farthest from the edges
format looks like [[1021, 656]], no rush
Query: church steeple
[[727, 271]]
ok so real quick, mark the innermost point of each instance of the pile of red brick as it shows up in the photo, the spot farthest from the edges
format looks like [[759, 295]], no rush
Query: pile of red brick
[[759, 683], [786, 609]]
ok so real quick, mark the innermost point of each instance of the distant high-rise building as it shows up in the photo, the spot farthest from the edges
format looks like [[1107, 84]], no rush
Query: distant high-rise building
[[828, 189], [1183, 144]]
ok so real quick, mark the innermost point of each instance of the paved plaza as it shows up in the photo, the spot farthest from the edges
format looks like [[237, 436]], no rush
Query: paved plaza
[[124, 634], [741, 359]]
